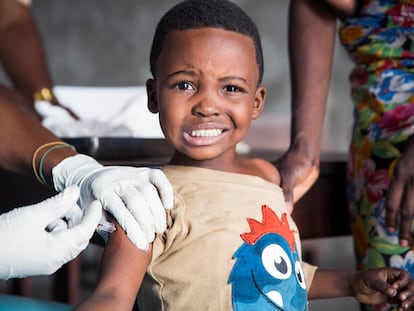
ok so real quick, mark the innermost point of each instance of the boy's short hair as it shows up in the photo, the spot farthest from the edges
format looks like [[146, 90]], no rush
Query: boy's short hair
[[192, 14]]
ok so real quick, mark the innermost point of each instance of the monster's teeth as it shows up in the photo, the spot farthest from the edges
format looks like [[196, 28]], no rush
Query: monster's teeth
[[206, 132], [276, 297]]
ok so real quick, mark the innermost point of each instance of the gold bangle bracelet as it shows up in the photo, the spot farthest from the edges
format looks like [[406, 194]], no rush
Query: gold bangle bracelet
[[45, 94]]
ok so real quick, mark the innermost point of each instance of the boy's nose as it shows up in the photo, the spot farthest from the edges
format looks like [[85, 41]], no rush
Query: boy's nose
[[207, 106]]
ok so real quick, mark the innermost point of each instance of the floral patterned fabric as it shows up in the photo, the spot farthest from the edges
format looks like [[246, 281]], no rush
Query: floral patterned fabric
[[379, 39]]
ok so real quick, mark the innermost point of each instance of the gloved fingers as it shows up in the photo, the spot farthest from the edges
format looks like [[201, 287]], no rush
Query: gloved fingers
[[57, 225], [114, 205], [61, 248], [165, 189], [73, 216], [90, 220], [58, 206], [80, 234], [137, 204], [137, 236], [74, 170], [153, 204]]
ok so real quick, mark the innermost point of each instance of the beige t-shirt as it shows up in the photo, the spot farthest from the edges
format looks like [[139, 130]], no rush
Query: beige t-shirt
[[211, 251]]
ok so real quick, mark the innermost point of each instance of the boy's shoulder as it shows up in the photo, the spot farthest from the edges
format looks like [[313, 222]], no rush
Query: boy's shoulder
[[257, 167], [263, 168]]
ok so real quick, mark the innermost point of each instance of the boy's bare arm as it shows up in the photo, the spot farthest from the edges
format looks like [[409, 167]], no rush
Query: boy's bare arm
[[385, 285], [122, 271]]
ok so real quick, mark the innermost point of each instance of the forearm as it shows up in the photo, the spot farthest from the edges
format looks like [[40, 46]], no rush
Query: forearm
[[122, 271], [312, 29], [21, 49], [331, 284], [20, 135]]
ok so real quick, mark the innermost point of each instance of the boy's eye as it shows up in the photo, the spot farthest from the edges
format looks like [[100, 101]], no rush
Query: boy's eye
[[232, 88], [184, 86]]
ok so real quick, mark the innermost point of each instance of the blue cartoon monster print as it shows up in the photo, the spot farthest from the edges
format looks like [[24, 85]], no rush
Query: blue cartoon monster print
[[267, 274]]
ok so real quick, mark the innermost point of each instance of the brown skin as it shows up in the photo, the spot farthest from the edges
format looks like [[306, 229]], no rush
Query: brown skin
[[202, 87], [310, 85], [123, 268], [197, 86], [22, 55], [312, 28], [20, 135], [400, 198], [378, 286]]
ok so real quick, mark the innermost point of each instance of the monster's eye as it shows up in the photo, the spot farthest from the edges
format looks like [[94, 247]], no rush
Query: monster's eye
[[300, 276], [276, 262]]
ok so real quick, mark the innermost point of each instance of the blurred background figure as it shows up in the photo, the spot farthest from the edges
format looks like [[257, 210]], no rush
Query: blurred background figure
[[23, 58], [378, 36]]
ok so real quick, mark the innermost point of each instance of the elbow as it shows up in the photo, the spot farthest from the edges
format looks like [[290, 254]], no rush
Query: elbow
[[343, 8]]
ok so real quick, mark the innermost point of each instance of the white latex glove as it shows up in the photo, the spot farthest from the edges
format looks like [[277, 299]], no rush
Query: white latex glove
[[135, 196], [27, 248]]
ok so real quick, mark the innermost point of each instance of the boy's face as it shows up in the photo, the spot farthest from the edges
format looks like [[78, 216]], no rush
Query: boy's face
[[206, 91]]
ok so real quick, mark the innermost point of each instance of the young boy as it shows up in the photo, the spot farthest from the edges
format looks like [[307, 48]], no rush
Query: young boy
[[230, 242]]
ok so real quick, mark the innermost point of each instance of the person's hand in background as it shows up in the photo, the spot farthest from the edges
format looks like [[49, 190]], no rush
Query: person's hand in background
[[298, 174], [24, 60], [400, 197]]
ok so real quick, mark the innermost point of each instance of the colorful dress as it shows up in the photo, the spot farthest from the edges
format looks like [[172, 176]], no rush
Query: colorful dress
[[379, 40]]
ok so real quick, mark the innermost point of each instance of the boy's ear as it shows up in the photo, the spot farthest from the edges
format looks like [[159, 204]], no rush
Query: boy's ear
[[259, 101], [152, 98]]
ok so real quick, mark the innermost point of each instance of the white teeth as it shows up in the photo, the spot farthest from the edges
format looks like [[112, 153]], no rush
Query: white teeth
[[206, 133]]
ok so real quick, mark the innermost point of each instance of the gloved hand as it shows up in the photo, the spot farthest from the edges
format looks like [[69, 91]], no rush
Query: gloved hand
[[27, 248], [136, 197]]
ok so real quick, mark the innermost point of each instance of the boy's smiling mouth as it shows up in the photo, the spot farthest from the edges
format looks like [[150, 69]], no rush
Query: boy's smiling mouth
[[207, 136], [206, 132]]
